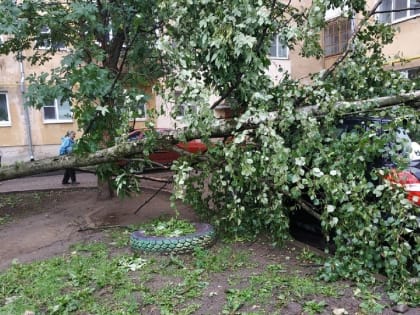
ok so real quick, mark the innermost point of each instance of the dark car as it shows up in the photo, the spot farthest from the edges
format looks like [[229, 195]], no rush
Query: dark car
[[408, 178], [302, 223]]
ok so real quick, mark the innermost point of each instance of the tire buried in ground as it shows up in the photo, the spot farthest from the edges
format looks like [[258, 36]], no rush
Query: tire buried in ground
[[204, 236]]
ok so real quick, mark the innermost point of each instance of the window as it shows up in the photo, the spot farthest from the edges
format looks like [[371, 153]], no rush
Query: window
[[386, 6], [4, 110], [141, 111], [57, 111], [183, 108], [336, 36], [395, 10], [44, 40], [411, 74], [278, 48]]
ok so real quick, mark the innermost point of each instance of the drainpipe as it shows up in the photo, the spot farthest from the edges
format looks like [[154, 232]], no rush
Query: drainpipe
[[25, 108]]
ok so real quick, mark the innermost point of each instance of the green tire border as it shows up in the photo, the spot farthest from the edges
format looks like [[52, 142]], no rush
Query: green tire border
[[204, 236]]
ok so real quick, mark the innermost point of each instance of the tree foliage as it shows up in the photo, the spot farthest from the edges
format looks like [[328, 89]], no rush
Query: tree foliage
[[110, 59], [208, 48], [298, 160]]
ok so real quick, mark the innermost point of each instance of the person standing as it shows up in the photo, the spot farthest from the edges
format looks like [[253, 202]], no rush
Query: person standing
[[66, 147]]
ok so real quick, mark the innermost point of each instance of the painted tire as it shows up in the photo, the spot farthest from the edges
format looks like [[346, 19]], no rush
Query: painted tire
[[204, 236]]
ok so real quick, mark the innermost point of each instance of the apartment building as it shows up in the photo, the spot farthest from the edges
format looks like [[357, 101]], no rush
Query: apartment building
[[404, 52], [27, 133]]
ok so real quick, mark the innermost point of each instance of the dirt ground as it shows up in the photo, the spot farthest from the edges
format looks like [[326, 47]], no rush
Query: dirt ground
[[64, 215], [45, 226]]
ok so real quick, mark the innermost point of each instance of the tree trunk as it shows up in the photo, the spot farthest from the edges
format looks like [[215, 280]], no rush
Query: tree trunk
[[105, 190], [223, 128]]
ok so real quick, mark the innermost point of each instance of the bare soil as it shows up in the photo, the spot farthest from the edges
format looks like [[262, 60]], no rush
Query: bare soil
[[41, 225], [46, 225]]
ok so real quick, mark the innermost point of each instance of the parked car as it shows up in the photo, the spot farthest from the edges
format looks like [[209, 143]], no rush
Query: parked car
[[162, 158], [409, 178], [302, 223]]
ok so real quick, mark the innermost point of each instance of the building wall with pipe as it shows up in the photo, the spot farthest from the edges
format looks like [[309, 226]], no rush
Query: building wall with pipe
[[404, 52], [28, 136]]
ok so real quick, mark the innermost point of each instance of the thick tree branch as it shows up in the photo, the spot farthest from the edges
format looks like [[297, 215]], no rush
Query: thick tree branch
[[223, 128], [60, 162]]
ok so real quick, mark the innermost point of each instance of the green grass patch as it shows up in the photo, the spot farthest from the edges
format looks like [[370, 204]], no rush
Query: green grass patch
[[99, 278], [5, 219], [274, 288], [10, 200]]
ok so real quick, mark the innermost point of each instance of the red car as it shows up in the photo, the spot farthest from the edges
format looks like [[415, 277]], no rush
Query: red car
[[166, 157], [409, 179]]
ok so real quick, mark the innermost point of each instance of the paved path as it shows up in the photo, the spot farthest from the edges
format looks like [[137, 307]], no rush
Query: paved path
[[51, 181], [46, 182]]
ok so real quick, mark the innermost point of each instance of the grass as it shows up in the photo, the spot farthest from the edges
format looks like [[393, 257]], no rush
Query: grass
[[106, 278], [10, 200], [5, 219], [30, 201]]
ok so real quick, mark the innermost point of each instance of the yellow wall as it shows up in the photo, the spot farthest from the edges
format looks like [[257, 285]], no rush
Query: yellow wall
[[46, 137], [405, 46], [9, 83], [301, 67]]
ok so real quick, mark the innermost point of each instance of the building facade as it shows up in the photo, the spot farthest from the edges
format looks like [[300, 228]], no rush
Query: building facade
[[404, 52], [29, 133]]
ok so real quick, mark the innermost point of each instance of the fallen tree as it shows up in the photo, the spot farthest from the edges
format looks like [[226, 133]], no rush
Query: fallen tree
[[223, 128]]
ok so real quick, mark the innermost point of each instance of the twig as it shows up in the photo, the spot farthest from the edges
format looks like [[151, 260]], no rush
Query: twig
[[311, 265], [237, 308], [154, 179], [101, 227], [157, 164], [152, 196]]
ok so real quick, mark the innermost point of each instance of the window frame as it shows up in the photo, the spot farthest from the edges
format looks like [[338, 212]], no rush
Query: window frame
[[181, 108], [279, 45], [410, 73], [343, 37], [6, 123], [184, 106], [56, 105], [45, 32], [409, 12], [142, 118]]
